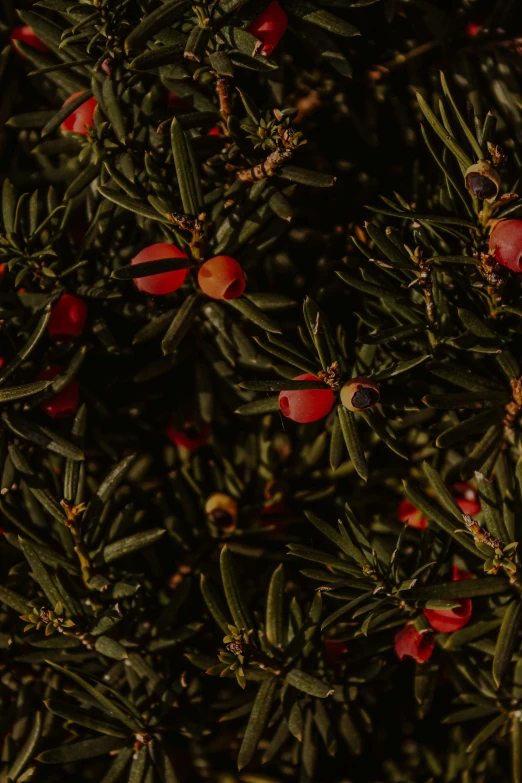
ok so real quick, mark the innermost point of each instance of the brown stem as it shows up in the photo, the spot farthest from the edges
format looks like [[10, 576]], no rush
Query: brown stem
[[515, 580], [379, 71], [78, 635], [225, 102], [196, 226], [425, 282], [265, 169], [72, 513], [401, 59], [482, 536]]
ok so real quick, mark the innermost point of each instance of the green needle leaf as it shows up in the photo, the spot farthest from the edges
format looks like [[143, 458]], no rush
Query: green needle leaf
[[274, 608], [257, 721], [507, 640]]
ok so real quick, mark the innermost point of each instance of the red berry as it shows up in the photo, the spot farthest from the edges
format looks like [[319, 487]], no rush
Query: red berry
[[165, 282], [215, 131], [68, 317], [176, 103], [410, 515], [274, 509], [333, 649], [270, 27], [306, 405], [276, 512], [411, 643], [26, 35], [189, 437], [449, 620], [466, 498], [81, 120], [467, 502], [470, 507], [221, 277], [66, 401], [2, 362], [3, 270], [459, 575], [277, 526], [505, 244], [464, 490], [473, 29], [276, 517]]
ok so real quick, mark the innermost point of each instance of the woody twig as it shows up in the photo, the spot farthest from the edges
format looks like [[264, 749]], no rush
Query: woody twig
[[274, 161], [225, 102], [196, 226]]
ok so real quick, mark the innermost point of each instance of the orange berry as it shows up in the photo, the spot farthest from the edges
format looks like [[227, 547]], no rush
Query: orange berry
[[221, 277]]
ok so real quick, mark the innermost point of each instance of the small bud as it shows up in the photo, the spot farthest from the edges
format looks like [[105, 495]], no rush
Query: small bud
[[482, 181], [359, 394], [222, 511]]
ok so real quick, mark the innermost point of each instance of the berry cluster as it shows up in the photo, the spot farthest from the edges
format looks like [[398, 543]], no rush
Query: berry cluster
[[171, 451]]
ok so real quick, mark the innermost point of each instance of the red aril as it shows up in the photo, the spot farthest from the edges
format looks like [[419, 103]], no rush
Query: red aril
[[333, 649], [63, 403], [221, 277], [189, 437], [165, 282], [306, 405], [412, 643], [410, 515], [449, 620], [269, 27], [505, 244], [68, 318], [81, 120], [26, 35]]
